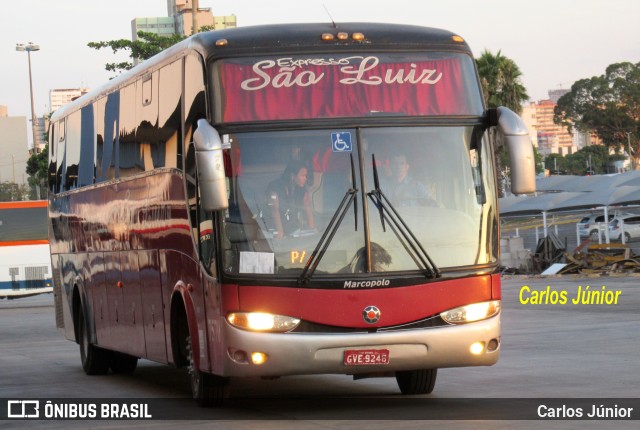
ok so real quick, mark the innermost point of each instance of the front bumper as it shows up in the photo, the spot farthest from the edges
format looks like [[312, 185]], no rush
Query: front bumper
[[304, 354]]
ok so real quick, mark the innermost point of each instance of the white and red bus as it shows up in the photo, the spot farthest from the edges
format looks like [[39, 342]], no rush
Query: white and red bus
[[181, 233], [25, 264]]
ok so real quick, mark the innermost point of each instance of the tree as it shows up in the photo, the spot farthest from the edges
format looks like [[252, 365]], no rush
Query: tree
[[10, 192], [147, 45], [592, 160], [37, 169], [608, 105], [500, 80]]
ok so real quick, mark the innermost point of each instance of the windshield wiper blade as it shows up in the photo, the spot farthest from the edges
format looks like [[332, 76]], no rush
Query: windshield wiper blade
[[332, 228], [400, 228]]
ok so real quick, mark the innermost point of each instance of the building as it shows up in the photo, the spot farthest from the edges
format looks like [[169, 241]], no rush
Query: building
[[14, 151], [62, 96], [161, 25], [551, 138], [180, 20], [528, 115], [554, 95], [42, 127]]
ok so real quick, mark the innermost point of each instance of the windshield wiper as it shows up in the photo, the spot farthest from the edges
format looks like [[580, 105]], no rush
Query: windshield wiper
[[400, 228], [349, 198]]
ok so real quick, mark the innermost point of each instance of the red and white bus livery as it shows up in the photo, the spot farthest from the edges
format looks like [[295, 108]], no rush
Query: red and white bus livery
[[285, 200]]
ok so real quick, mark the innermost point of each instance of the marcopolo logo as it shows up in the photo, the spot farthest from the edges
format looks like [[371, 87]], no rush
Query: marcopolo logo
[[367, 284]]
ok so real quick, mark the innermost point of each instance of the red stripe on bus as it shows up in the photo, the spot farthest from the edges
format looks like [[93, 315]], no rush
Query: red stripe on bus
[[25, 242], [24, 204]]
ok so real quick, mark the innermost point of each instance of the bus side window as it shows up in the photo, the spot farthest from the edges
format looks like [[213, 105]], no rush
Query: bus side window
[[110, 119], [127, 153], [60, 157], [53, 144], [72, 153], [100, 143], [147, 154], [86, 171], [169, 114]]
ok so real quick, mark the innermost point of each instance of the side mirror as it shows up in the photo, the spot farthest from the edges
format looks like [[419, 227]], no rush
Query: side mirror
[[516, 137], [210, 165]]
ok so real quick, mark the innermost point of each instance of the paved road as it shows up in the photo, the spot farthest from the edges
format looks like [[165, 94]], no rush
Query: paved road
[[548, 351]]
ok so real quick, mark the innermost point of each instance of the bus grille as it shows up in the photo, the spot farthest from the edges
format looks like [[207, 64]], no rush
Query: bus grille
[[14, 272], [35, 276], [309, 327]]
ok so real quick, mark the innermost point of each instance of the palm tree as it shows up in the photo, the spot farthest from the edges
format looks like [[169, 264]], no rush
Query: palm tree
[[500, 79]]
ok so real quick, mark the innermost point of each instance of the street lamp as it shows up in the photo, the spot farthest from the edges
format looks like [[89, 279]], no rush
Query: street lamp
[[28, 48]]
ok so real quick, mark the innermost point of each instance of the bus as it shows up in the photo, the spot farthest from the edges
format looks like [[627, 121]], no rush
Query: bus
[[285, 200], [25, 264]]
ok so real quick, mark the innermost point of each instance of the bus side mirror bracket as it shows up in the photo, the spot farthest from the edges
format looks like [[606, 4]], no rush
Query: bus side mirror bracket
[[210, 165], [518, 142]]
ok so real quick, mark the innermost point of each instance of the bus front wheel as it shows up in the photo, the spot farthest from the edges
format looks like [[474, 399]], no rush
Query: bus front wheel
[[417, 381], [95, 360], [207, 389]]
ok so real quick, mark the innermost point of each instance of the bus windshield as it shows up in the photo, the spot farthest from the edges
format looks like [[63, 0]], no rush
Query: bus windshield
[[286, 186], [343, 85]]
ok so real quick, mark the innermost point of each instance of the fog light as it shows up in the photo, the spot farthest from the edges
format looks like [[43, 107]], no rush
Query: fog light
[[477, 348], [493, 345], [240, 356], [258, 357]]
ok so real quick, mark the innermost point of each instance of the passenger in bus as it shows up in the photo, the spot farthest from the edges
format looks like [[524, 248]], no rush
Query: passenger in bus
[[402, 189], [290, 202]]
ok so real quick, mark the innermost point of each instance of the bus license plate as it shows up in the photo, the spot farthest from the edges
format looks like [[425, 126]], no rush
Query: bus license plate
[[366, 357]]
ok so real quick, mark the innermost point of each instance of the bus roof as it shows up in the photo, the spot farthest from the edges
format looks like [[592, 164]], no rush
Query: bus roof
[[289, 38]]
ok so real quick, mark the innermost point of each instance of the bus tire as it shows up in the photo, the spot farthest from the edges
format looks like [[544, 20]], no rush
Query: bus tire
[[419, 381], [95, 360], [207, 389], [123, 363]]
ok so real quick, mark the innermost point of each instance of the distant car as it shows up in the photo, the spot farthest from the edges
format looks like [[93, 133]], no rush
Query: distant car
[[588, 226], [629, 224]]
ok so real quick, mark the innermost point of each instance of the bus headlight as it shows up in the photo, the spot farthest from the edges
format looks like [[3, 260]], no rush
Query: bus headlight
[[260, 321], [471, 313]]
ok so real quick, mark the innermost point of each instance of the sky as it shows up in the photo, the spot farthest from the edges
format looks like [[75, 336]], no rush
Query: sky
[[554, 42]]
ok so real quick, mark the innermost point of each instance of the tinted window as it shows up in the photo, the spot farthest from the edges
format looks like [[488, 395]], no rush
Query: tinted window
[[18, 224], [111, 126], [60, 156], [128, 156], [147, 120], [327, 86], [53, 141], [86, 170], [169, 134], [72, 151]]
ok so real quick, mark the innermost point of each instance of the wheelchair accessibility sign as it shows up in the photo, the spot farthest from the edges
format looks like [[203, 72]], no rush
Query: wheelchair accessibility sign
[[341, 141]]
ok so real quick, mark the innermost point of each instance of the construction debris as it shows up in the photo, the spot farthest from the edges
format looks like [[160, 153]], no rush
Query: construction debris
[[549, 251], [602, 259]]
